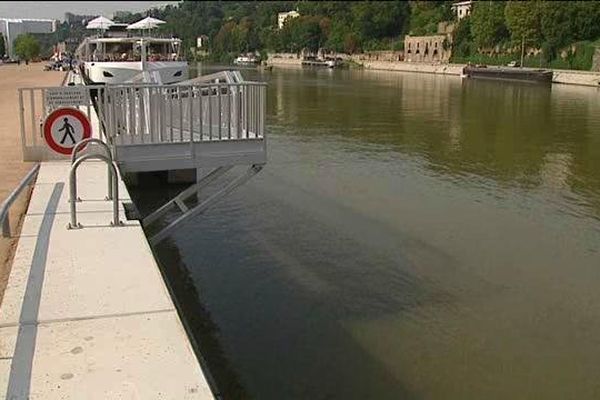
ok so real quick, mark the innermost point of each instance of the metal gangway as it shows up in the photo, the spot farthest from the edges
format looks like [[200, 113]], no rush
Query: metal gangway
[[210, 124]]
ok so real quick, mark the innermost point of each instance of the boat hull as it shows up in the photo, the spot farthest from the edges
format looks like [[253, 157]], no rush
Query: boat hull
[[122, 71], [510, 74]]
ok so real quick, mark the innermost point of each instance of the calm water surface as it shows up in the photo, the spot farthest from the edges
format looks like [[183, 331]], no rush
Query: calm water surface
[[412, 237]]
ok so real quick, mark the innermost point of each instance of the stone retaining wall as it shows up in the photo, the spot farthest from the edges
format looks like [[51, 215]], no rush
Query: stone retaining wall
[[444, 69], [583, 78], [570, 77]]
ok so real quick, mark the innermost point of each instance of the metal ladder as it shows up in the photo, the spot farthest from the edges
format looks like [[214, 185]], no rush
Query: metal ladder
[[113, 183], [178, 202]]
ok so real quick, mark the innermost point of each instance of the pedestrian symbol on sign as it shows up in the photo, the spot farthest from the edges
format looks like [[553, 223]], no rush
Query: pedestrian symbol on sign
[[64, 128], [68, 128]]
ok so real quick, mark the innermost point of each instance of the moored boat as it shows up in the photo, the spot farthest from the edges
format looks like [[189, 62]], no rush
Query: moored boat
[[116, 60], [504, 73]]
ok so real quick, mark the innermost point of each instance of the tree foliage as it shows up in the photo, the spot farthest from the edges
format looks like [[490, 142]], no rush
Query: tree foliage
[[463, 39], [27, 47], [425, 16], [487, 23], [237, 26], [523, 19]]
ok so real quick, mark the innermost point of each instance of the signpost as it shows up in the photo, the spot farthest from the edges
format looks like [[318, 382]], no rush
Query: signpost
[[67, 96], [64, 128]]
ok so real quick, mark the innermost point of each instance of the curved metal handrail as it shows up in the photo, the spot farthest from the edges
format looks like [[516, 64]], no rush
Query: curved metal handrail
[[73, 188], [82, 143], [4, 220], [79, 146]]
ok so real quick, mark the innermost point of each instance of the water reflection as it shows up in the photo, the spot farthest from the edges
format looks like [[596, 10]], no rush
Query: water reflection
[[503, 131]]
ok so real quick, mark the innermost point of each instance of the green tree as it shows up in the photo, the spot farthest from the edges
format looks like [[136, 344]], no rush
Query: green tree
[[425, 16], [487, 23], [302, 32], [27, 47], [523, 20], [462, 40], [585, 19], [376, 20]]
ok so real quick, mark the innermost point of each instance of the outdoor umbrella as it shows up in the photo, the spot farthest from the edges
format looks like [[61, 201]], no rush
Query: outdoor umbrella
[[101, 23], [146, 23]]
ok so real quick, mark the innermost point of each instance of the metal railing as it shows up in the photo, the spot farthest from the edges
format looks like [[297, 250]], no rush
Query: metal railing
[[192, 112], [113, 180], [4, 208], [149, 114], [81, 145]]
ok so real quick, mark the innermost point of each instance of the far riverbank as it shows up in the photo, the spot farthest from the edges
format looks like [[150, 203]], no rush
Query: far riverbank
[[569, 77]]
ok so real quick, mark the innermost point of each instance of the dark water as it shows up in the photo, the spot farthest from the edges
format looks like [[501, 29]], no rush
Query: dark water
[[412, 237]]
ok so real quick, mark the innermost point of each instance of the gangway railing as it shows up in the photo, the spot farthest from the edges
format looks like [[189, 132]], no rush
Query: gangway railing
[[146, 114]]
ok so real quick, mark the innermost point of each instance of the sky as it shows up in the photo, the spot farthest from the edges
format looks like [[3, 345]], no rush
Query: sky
[[57, 9]]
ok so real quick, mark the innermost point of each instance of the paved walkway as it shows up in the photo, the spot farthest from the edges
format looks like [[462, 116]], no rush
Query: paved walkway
[[86, 313], [12, 168]]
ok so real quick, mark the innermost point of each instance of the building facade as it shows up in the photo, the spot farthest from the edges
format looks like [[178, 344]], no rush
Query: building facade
[[433, 48], [462, 9], [282, 17], [12, 28]]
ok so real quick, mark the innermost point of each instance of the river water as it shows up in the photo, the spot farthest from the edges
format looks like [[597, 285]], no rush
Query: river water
[[412, 237]]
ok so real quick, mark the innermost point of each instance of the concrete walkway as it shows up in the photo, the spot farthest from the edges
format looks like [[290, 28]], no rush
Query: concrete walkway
[[86, 313], [12, 168]]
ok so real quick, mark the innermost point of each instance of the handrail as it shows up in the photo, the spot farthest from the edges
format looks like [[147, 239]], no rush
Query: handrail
[[4, 220], [81, 144], [73, 189]]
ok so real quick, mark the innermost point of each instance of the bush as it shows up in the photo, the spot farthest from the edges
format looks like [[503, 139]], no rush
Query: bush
[[27, 47]]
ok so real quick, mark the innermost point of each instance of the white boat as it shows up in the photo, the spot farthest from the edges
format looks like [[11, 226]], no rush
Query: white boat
[[245, 60], [113, 60]]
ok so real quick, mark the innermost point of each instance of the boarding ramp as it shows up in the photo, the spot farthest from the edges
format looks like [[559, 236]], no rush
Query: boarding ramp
[[209, 124]]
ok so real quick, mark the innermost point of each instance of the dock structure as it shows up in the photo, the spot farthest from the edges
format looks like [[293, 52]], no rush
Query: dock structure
[[86, 313]]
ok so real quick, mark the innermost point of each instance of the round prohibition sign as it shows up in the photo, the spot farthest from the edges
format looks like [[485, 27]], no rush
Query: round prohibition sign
[[64, 128]]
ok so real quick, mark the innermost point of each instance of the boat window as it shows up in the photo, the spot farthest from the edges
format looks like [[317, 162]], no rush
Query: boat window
[[122, 51], [163, 51]]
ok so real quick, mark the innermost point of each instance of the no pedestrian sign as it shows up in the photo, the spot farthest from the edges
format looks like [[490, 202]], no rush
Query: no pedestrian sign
[[64, 128]]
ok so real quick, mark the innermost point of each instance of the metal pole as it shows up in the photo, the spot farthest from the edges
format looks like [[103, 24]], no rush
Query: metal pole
[[522, 50], [22, 120], [220, 111]]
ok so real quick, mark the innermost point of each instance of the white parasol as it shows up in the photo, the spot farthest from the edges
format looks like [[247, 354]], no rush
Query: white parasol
[[146, 23], [100, 23]]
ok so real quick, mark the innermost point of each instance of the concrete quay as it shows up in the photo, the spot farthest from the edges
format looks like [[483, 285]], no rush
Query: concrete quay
[[568, 77], [86, 313]]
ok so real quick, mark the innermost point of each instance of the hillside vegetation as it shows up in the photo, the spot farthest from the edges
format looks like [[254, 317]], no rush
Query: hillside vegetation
[[555, 33]]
